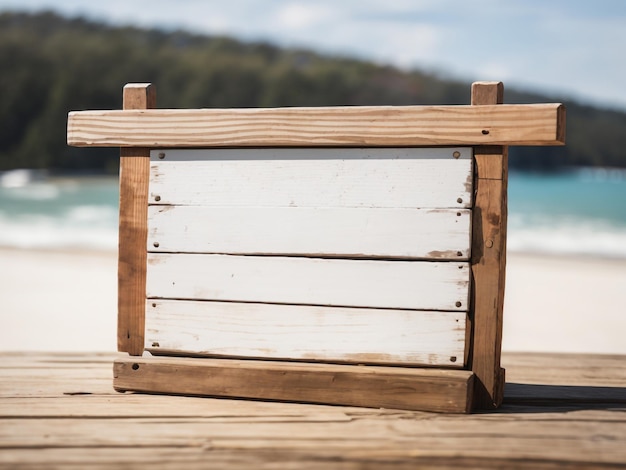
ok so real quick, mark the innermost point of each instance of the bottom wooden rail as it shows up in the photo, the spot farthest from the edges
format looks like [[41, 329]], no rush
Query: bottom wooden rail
[[354, 385]]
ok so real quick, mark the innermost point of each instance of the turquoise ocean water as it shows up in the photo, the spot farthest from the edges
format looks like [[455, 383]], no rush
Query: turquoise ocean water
[[581, 212], [41, 212]]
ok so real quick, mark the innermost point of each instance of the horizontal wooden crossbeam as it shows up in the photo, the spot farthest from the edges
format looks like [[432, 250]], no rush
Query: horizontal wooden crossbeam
[[370, 386], [381, 126]]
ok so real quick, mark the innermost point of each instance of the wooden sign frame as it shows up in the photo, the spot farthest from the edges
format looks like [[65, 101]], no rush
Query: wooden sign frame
[[487, 125]]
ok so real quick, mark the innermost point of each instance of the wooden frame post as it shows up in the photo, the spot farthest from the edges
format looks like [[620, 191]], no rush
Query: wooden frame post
[[489, 224], [133, 232]]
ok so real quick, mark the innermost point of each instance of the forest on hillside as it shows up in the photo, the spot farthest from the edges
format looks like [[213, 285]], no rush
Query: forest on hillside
[[50, 65]]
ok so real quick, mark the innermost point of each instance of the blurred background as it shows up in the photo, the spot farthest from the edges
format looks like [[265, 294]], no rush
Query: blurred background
[[58, 205]]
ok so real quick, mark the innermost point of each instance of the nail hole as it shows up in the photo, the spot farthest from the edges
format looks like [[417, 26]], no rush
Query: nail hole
[[458, 253], [458, 214], [456, 154], [156, 244], [161, 156], [157, 198], [153, 305], [155, 345], [459, 200], [452, 358], [458, 304], [485, 132], [135, 366]]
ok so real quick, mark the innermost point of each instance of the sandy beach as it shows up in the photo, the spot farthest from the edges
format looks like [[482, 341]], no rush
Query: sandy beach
[[66, 301], [58, 300]]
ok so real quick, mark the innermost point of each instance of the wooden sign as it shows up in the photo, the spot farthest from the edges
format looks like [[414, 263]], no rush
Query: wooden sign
[[331, 255]]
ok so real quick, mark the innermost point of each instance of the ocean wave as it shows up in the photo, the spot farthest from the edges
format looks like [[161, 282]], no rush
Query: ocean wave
[[35, 192], [98, 214], [602, 175], [82, 227], [573, 237], [41, 212], [20, 177]]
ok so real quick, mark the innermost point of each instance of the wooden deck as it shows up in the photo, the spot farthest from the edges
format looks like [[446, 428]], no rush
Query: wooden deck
[[60, 411]]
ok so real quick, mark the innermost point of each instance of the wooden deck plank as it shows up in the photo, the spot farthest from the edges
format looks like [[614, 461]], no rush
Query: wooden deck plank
[[396, 435], [559, 411]]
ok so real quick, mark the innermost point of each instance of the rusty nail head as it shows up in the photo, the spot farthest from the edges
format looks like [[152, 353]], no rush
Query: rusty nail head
[[452, 358], [459, 200], [156, 244], [157, 198], [489, 243], [456, 154], [161, 156], [458, 304]]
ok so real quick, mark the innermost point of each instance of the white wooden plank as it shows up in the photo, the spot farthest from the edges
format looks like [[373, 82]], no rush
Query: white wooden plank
[[348, 232], [306, 332], [399, 177], [314, 281]]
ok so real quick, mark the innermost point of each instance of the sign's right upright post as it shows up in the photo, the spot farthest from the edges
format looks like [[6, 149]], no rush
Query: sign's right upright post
[[488, 261]]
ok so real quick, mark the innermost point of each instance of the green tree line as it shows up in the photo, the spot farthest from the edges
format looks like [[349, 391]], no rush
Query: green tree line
[[50, 65]]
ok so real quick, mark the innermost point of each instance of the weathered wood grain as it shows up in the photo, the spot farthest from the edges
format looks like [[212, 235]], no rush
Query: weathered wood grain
[[537, 124], [141, 406], [562, 411], [336, 232], [311, 281], [602, 370], [369, 386], [133, 230], [392, 178], [489, 225], [332, 334]]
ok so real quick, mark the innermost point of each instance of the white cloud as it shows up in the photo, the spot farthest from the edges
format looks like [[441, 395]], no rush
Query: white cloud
[[295, 16]]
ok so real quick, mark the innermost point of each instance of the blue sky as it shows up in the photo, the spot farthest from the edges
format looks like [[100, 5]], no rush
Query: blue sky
[[570, 48]]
